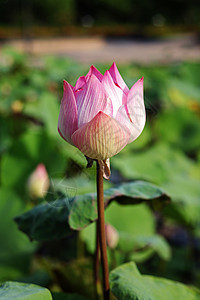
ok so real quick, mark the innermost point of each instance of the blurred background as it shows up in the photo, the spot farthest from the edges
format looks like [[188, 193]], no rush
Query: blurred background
[[44, 42]]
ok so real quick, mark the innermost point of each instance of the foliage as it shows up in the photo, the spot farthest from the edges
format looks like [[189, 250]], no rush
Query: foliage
[[56, 219], [128, 283], [21, 291]]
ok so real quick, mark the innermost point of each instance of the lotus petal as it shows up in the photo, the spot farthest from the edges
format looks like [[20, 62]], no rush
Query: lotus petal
[[132, 116], [117, 78], [95, 72], [80, 83], [113, 91], [101, 138], [68, 121], [91, 99]]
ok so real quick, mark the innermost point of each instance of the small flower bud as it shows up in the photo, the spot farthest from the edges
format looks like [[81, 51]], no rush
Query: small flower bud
[[38, 182], [112, 236]]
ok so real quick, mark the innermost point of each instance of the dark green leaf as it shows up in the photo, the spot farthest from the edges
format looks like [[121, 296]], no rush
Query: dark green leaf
[[55, 219], [45, 221]]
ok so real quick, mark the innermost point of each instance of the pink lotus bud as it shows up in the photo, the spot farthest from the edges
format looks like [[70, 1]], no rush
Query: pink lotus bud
[[112, 236], [38, 182], [100, 115]]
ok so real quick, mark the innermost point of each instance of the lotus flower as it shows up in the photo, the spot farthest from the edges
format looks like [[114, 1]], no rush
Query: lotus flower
[[100, 115]]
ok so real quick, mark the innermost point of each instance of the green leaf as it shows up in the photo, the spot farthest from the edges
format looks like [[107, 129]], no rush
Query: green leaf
[[136, 192], [5, 138], [188, 90], [21, 291], [55, 219], [178, 125], [136, 231], [135, 220], [45, 221], [170, 168], [32, 148], [157, 243], [48, 116], [15, 250], [127, 283], [9, 273]]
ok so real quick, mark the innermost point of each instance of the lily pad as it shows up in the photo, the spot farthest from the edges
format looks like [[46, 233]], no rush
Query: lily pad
[[127, 283], [56, 219]]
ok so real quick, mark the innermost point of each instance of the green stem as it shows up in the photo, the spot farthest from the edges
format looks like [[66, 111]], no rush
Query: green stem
[[101, 232]]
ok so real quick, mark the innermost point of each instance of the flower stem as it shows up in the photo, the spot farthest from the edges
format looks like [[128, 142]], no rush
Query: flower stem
[[101, 232], [96, 266]]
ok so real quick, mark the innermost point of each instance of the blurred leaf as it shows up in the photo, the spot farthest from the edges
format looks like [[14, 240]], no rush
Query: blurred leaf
[[21, 291], [132, 220], [136, 229], [59, 69], [15, 250], [127, 283], [32, 148], [157, 243], [136, 220], [9, 273], [155, 85], [180, 127], [46, 109], [171, 169], [55, 219], [189, 72], [5, 137], [187, 90], [12, 59]]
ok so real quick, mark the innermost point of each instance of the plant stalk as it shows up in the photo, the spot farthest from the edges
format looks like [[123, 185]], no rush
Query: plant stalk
[[101, 232], [96, 265]]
